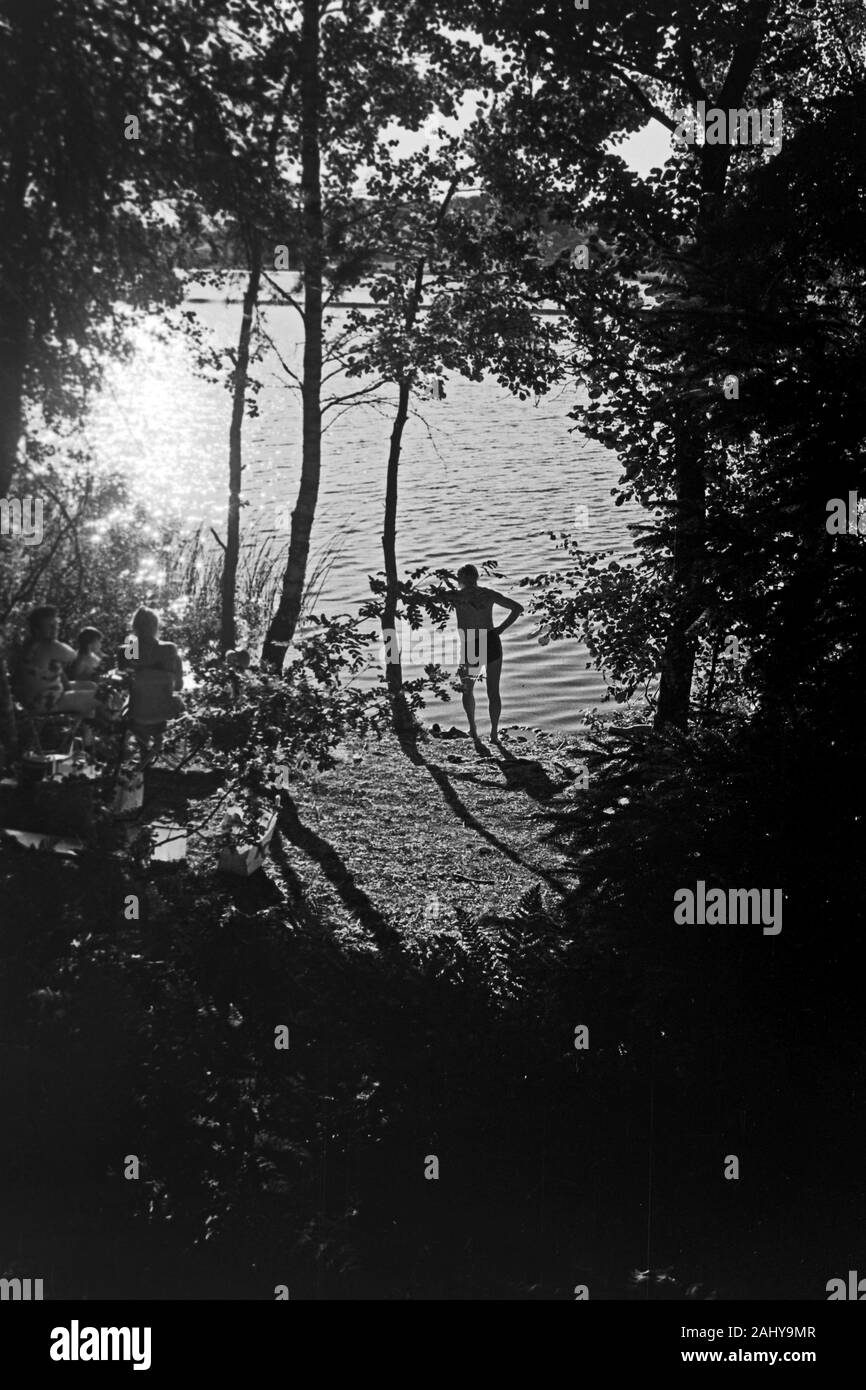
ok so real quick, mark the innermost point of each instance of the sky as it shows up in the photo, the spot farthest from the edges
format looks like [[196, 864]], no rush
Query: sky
[[646, 149], [643, 150]]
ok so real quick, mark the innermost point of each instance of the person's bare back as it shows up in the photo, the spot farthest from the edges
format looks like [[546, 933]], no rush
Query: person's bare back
[[474, 608]]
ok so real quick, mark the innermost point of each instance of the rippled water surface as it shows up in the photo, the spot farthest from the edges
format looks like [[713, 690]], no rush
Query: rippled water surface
[[484, 476]]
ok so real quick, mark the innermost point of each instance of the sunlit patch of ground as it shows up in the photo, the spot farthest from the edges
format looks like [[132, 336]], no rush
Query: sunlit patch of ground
[[413, 836]]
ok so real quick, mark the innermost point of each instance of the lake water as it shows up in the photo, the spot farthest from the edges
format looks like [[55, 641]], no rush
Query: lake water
[[484, 476]]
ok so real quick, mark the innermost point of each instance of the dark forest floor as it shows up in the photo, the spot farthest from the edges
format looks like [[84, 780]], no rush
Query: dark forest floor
[[433, 923]]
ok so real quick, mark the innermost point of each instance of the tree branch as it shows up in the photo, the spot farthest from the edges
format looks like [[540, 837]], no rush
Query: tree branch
[[638, 91], [352, 395], [290, 298], [693, 84], [745, 56]]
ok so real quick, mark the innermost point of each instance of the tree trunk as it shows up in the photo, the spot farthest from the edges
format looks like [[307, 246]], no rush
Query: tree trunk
[[14, 328], [711, 679], [228, 627], [394, 668], [8, 731], [678, 661], [29, 23], [285, 620], [14, 311], [393, 664]]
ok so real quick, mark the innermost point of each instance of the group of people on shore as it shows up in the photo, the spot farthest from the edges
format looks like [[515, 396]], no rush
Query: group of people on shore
[[50, 677]]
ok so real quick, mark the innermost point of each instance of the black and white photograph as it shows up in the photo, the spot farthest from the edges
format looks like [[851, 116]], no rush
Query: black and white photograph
[[432, 609]]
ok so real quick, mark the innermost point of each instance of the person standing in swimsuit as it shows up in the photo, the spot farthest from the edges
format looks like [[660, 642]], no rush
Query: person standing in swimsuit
[[480, 643]]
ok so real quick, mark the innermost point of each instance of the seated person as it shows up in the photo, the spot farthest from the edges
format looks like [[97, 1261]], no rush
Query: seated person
[[157, 676], [89, 657], [84, 673], [40, 682]]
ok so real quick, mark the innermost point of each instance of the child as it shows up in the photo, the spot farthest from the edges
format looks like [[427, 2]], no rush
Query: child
[[89, 658]]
